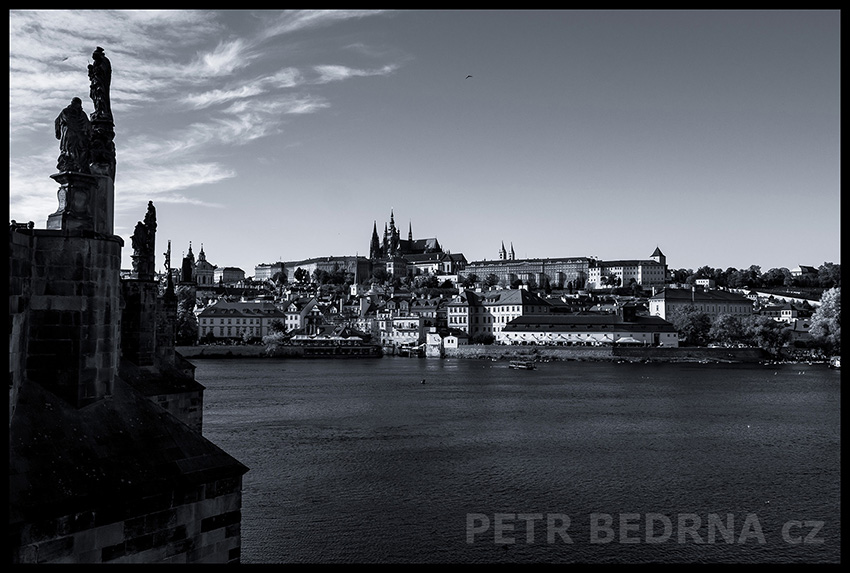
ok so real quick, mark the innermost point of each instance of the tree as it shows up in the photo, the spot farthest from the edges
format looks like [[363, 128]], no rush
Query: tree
[[735, 278], [482, 338], [491, 280], [692, 324], [766, 332], [752, 276], [379, 273], [277, 325], [704, 272], [321, 276], [826, 322], [680, 275], [612, 281], [726, 329], [187, 322], [776, 277], [469, 280], [829, 275], [301, 275]]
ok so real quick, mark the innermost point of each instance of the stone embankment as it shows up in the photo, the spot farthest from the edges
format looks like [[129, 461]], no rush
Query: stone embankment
[[223, 351], [502, 352], [608, 353]]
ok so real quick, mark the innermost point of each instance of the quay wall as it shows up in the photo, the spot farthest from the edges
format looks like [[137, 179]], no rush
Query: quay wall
[[221, 351], [509, 352], [607, 353]]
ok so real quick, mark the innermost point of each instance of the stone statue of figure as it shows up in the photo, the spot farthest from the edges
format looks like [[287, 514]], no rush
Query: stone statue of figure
[[150, 224], [139, 238], [144, 239], [73, 131], [100, 74]]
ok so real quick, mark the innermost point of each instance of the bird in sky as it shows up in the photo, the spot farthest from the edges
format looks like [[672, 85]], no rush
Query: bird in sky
[[467, 77]]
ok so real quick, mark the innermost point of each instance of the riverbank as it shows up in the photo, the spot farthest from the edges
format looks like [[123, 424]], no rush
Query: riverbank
[[610, 354], [501, 352]]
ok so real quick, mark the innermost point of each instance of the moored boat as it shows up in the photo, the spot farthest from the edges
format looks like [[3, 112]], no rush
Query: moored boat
[[522, 365]]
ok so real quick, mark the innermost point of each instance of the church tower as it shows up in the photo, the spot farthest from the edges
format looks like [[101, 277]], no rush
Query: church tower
[[658, 257], [502, 253], [187, 270], [374, 245], [204, 272]]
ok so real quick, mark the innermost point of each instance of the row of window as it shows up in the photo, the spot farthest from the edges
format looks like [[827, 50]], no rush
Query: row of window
[[243, 321], [230, 331], [484, 319], [712, 308]]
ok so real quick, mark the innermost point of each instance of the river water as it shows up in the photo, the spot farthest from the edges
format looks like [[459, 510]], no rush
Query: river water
[[359, 461]]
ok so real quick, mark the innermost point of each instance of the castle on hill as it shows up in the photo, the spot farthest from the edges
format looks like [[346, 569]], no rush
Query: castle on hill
[[392, 245]]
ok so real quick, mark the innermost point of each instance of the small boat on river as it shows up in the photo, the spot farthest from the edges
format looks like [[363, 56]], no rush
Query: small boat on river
[[522, 365]]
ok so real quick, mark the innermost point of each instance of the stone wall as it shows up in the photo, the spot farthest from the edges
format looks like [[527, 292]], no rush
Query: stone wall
[[658, 354], [508, 352], [138, 321], [200, 524], [188, 406], [20, 270], [74, 310]]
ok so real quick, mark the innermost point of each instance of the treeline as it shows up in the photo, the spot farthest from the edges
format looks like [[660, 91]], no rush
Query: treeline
[[828, 276], [697, 328]]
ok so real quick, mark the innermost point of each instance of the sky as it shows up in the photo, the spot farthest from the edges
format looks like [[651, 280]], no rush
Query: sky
[[269, 136]]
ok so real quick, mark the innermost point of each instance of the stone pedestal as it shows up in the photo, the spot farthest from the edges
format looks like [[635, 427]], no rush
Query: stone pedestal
[[77, 202], [104, 211]]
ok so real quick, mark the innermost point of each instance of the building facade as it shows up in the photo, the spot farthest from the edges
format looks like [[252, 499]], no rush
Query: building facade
[[487, 313], [646, 273], [557, 273], [360, 268], [228, 275], [576, 272], [204, 270], [225, 320], [711, 302], [589, 329], [267, 271]]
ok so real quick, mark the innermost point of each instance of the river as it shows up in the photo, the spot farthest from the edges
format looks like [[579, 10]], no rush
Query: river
[[413, 460]]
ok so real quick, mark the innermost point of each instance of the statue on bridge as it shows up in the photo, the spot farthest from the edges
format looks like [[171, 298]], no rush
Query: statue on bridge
[[73, 130]]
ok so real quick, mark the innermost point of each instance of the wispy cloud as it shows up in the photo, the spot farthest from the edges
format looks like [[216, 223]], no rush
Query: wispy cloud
[[295, 20], [339, 73], [160, 184], [187, 85], [223, 60], [214, 97]]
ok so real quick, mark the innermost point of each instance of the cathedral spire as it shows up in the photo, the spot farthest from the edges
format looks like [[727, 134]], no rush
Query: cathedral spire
[[374, 245], [169, 281]]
